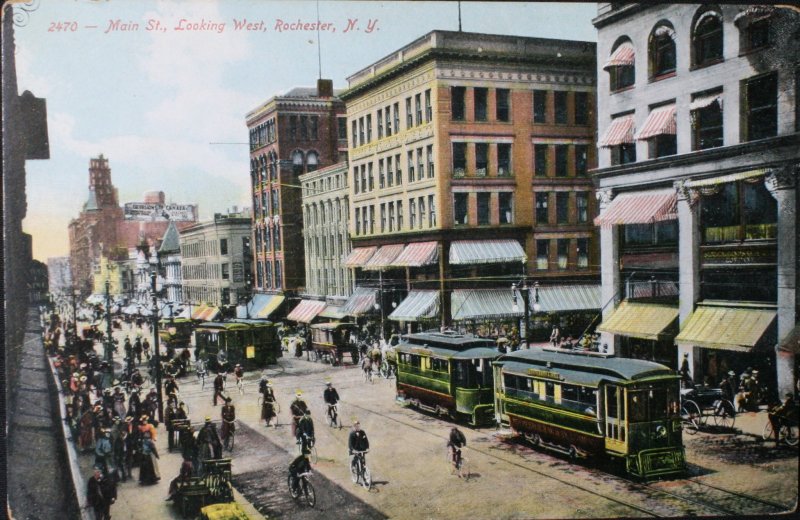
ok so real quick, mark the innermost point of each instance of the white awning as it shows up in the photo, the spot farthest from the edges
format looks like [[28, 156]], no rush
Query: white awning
[[727, 178], [465, 252], [417, 305], [705, 101]]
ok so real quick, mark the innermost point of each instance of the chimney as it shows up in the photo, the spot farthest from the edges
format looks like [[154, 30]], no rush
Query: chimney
[[324, 88]]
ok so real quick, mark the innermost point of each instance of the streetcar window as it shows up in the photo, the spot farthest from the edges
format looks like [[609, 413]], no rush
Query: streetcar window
[[549, 391], [637, 406], [414, 361], [439, 365]]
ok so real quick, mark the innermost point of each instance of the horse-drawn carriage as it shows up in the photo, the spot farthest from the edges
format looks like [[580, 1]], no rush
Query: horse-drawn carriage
[[698, 404]]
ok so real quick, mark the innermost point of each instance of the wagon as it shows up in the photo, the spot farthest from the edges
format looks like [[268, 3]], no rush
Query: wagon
[[698, 404]]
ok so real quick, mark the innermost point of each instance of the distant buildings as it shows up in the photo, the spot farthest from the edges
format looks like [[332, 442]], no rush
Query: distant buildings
[[59, 276], [699, 154]]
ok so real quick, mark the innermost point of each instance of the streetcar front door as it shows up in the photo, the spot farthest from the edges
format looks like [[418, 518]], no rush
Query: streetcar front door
[[616, 434]]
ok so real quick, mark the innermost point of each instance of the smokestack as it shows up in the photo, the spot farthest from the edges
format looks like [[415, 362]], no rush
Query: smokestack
[[324, 88]]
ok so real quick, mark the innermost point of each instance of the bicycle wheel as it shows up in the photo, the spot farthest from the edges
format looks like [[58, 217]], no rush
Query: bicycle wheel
[[295, 492], [308, 492], [313, 455], [691, 417], [724, 416], [791, 435], [366, 478], [233, 440], [354, 471]]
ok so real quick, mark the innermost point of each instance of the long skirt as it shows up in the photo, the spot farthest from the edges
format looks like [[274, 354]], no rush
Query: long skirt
[[267, 411], [148, 470]]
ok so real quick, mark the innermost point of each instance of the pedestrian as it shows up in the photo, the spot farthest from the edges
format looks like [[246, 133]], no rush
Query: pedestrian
[[208, 443], [686, 378], [146, 348], [169, 417], [219, 387], [103, 452], [268, 403], [228, 422], [101, 493], [148, 468], [137, 350], [119, 402], [119, 446]]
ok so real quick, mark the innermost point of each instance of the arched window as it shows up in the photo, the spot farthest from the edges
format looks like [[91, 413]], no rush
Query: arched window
[[297, 162], [661, 50], [312, 161], [253, 172], [754, 23], [262, 170], [621, 65], [707, 38], [273, 166]]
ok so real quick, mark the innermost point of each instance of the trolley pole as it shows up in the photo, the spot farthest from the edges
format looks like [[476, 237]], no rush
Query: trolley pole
[[157, 353]]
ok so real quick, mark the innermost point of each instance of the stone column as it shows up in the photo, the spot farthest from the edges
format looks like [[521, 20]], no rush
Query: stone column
[[689, 264], [609, 269], [782, 184]]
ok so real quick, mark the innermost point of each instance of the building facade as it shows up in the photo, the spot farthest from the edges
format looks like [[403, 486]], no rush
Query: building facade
[[170, 253], [468, 159], [290, 135], [59, 277], [697, 180], [216, 260], [325, 231]]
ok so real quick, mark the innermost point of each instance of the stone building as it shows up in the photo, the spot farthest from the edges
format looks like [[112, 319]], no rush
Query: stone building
[[468, 160], [697, 178], [291, 134]]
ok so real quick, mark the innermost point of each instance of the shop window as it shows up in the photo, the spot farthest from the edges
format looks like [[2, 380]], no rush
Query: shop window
[[539, 106], [459, 159], [737, 211], [560, 102], [457, 95], [662, 51], [481, 159], [707, 39], [480, 103], [540, 160], [645, 235], [542, 215], [460, 205], [504, 160], [561, 160], [503, 112], [505, 209], [542, 254], [581, 108], [760, 107], [562, 207], [483, 208], [752, 284]]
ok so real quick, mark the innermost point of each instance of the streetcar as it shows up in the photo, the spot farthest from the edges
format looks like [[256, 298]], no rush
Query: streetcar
[[591, 404], [175, 331], [332, 340], [251, 343], [447, 374]]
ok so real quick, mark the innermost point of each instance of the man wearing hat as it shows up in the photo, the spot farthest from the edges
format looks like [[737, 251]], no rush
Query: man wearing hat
[[137, 350], [101, 492], [305, 430], [210, 446], [298, 410], [219, 386], [169, 416], [779, 415], [331, 398], [119, 401], [228, 422], [268, 403], [686, 377], [103, 451], [357, 441]]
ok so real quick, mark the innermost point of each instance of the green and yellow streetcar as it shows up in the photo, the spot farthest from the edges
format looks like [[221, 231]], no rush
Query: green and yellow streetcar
[[251, 343]]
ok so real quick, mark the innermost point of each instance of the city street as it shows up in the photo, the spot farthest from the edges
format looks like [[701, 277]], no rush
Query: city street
[[730, 473]]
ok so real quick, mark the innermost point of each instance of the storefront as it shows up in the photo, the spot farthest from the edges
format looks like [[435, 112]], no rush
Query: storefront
[[645, 330]]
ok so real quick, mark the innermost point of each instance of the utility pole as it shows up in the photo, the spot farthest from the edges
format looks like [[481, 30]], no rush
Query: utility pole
[[157, 353]]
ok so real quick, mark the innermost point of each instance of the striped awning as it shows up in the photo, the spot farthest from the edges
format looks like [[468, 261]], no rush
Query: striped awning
[[661, 121], [560, 298], [465, 252], [384, 257], [306, 311], [198, 311], [640, 208], [726, 328], [754, 12], [359, 256], [749, 174], [480, 304], [417, 305], [640, 320], [620, 131], [623, 56], [334, 312], [209, 314], [361, 302], [706, 101], [275, 300], [418, 254]]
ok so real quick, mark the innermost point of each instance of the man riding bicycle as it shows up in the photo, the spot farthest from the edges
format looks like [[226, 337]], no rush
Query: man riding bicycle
[[298, 408], [331, 397], [305, 431], [454, 445], [357, 442], [779, 415], [301, 464]]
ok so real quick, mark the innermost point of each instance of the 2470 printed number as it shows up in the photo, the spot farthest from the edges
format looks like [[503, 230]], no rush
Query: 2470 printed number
[[63, 27]]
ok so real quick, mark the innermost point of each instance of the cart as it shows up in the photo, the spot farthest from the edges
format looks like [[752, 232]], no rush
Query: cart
[[701, 403]]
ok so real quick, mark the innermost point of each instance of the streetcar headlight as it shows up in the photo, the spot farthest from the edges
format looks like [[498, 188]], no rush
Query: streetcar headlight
[[661, 431]]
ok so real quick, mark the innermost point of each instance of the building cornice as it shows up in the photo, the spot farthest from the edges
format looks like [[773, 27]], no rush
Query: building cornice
[[616, 15]]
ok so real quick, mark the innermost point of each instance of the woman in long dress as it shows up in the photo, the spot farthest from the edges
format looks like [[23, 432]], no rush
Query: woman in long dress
[[148, 469]]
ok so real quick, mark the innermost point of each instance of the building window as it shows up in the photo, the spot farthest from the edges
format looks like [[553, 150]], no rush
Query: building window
[[542, 214], [561, 160], [304, 128], [418, 108], [754, 28], [420, 164], [361, 139], [760, 107], [707, 39], [358, 221], [431, 211], [421, 203], [581, 108], [582, 204], [381, 175], [503, 159], [356, 184], [410, 166], [429, 153], [583, 253], [581, 159], [399, 215], [738, 211], [314, 129], [540, 160], [505, 207], [563, 253], [483, 208], [278, 275], [662, 51], [389, 172], [388, 113], [223, 246], [480, 103], [396, 114], [481, 159], [560, 101], [312, 161], [354, 134], [380, 123], [391, 216], [372, 219], [706, 117], [459, 159], [460, 208], [409, 114], [297, 162], [624, 153], [562, 207], [369, 128], [539, 106], [293, 127], [225, 268], [342, 127], [428, 107], [370, 177], [503, 112], [412, 213], [542, 254], [399, 172], [663, 145]]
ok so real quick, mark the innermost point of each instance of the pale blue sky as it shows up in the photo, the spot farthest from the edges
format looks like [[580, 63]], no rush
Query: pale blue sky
[[152, 101]]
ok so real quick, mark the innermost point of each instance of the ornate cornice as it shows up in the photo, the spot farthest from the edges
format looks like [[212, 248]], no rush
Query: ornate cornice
[[782, 178]]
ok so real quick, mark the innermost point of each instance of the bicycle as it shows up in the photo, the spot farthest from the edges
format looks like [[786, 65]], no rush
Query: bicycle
[[458, 463], [240, 385], [333, 416], [230, 439], [359, 472], [302, 485], [787, 433]]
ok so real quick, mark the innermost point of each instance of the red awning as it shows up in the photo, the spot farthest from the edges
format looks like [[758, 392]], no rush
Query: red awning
[[640, 208], [620, 131], [384, 257], [661, 121], [306, 311], [417, 254], [359, 256], [623, 56]]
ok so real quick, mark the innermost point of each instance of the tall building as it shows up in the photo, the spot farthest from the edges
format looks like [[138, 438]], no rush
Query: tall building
[[468, 160], [697, 178], [291, 134], [170, 253], [58, 276]]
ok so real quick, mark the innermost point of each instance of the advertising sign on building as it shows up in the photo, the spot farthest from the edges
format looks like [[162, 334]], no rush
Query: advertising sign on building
[[153, 212]]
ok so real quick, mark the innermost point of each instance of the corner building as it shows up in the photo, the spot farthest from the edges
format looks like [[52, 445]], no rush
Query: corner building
[[468, 158], [697, 180]]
